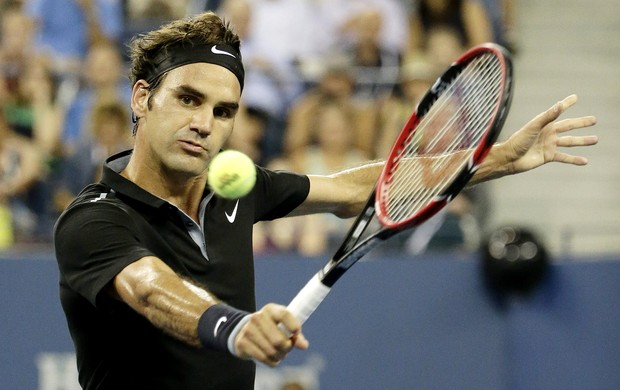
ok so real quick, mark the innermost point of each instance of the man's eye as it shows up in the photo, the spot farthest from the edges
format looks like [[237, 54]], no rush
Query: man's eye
[[222, 113], [187, 100]]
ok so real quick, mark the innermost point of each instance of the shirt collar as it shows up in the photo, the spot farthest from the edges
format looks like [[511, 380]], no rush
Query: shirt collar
[[112, 177]]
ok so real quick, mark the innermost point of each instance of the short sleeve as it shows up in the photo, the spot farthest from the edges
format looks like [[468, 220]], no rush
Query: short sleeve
[[277, 193], [94, 241]]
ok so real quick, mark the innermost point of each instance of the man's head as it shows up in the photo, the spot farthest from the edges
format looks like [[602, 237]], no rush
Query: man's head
[[187, 79], [201, 38]]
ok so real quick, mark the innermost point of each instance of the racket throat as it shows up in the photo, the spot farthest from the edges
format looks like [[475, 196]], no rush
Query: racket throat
[[335, 268]]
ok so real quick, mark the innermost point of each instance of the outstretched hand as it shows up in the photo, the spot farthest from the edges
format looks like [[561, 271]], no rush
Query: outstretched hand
[[538, 142]]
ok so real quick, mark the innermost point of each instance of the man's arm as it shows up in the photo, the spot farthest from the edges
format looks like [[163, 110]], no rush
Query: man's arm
[[154, 290], [176, 305], [343, 194], [537, 143]]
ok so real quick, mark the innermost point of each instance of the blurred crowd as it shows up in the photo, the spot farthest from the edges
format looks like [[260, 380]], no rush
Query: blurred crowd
[[329, 84]]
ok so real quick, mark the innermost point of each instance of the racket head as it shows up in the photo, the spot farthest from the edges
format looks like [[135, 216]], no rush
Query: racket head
[[460, 116]]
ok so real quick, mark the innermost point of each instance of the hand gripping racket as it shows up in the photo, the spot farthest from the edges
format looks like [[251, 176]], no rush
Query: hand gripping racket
[[437, 152]]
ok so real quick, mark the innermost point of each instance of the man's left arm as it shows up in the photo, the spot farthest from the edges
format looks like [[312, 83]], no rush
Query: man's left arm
[[343, 194], [537, 143]]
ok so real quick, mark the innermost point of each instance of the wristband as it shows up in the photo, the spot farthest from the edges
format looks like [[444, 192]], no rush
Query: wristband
[[219, 325]]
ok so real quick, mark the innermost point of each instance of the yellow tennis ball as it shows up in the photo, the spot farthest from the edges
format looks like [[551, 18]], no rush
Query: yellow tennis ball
[[231, 174]]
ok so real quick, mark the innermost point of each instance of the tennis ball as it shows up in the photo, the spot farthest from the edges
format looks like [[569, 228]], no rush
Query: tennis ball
[[231, 174]]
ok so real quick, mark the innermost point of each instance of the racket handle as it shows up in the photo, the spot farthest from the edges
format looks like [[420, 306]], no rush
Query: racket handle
[[308, 299]]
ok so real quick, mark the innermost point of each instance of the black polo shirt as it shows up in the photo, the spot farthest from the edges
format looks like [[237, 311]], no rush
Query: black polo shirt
[[114, 223]]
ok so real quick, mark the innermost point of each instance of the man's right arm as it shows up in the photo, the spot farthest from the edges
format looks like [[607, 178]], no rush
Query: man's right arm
[[154, 290], [179, 307]]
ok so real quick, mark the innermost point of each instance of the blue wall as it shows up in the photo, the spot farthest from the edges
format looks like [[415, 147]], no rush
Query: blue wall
[[390, 323]]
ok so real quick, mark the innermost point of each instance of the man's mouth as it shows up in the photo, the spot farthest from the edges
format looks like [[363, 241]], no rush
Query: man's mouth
[[192, 147]]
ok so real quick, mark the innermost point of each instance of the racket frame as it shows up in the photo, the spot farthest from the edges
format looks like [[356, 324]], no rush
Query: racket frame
[[352, 249]]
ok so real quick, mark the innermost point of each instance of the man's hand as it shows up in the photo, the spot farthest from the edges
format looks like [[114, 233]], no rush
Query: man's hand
[[264, 337], [538, 143]]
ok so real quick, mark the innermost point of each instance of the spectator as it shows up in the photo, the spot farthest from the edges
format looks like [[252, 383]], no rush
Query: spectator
[[502, 14], [338, 17], [32, 110], [331, 146], [143, 15], [32, 113], [337, 85], [28, 87], [443, 46], [67, 28], [293, 37], [156, 10], [20, 171], [416, 76], [250, 133], [467, 18], [291, 43], [375, 66], [16, 33], [331, 149], [269, 85], [109, 134], [102, 79]]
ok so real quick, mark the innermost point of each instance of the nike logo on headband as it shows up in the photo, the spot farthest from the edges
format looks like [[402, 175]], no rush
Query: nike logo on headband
[[215, 50]]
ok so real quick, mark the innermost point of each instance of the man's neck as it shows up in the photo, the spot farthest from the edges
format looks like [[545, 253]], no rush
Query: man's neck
[[184, 193]]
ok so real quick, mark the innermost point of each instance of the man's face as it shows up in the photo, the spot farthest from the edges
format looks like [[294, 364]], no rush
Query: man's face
[[191, 116]]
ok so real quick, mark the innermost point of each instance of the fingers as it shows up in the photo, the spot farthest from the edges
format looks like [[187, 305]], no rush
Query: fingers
[[568, 124], [551, 114], [556, 110], [569, 159], [574, 123], [538, 141], [263, 340], [569, 141], [299, 341], [567, 102]]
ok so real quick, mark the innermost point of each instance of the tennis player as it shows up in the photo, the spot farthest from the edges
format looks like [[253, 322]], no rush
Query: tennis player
[[156, 274]]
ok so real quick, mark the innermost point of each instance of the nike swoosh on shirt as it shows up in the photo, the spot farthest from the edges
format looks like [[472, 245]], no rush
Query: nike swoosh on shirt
[[217, 325], [215, 50], [231, 217]]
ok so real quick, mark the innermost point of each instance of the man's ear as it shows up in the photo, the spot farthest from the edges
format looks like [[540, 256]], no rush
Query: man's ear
[[139, 98]]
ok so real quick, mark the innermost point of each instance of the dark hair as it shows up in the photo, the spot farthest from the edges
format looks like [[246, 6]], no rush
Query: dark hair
[[204, 28], [145, 50]]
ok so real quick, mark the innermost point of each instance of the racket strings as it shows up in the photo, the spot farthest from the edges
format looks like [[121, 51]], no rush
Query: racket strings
[[445, 139], [435, 169], [438, 165], [456, 143], [439, 107], [467, 122]]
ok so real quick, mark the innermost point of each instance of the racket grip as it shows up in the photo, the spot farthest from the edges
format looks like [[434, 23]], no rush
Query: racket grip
[[308, 299]]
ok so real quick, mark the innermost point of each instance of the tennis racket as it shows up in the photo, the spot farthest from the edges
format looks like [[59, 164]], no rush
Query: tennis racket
[[438, 150]]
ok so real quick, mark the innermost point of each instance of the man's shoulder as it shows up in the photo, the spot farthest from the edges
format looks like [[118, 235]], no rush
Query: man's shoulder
[[92, 198], [94, 193]]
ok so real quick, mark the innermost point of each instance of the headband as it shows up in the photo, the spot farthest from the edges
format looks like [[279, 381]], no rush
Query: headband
[[183, 53]]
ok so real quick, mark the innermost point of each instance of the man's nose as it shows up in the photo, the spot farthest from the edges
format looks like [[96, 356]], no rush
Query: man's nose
[[202, 121]]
